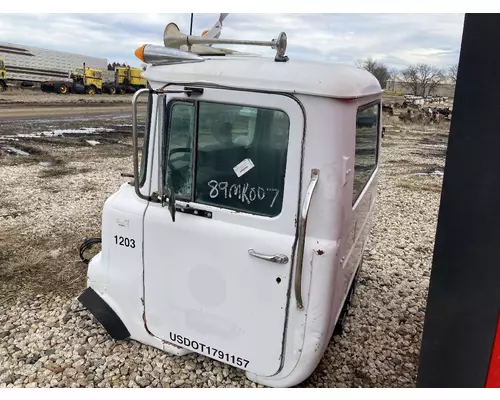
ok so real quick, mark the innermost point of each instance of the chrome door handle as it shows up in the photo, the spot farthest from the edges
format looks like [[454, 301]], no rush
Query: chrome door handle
[[302, 236], [277, 258]]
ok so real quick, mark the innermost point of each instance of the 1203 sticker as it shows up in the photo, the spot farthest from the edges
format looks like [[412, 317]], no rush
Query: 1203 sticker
[[124, 241]]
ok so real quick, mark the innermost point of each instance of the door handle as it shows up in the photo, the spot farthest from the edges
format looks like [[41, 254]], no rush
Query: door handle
[[276, 258], [302, 236]]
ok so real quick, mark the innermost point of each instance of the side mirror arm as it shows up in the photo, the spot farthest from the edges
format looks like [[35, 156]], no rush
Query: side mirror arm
[[135, 145]]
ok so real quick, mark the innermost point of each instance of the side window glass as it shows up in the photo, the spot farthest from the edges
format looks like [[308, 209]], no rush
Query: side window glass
[[365, 161], [179, 168], [241, 158]]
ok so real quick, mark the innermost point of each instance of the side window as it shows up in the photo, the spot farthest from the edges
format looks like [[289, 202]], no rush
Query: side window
[[366, 156], [240, 155], [180, 157]]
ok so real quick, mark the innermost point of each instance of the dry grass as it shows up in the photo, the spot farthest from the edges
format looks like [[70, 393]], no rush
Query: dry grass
[[89, 186], [61, 170], [34, 265], [423, 186], [395, 121], [38, 154]]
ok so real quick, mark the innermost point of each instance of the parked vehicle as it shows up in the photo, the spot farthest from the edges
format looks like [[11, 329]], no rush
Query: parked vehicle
[[83, 81], [126, 80], [3, 76]]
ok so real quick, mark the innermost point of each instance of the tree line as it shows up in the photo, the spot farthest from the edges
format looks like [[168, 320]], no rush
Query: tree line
[[112, 66], [419, 79]]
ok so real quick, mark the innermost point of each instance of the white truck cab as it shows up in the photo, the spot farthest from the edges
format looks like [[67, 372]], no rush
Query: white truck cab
[[243, 230]]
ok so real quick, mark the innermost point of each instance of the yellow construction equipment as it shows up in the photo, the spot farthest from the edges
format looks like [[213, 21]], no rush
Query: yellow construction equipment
[[91, 79], [81, 80], [3, 76], [126, 80]]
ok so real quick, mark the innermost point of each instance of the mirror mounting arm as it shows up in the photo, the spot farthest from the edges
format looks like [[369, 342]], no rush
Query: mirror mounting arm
[[160, 196], [135, 145]]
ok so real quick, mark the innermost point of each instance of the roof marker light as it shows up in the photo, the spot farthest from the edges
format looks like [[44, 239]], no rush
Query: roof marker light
[[160, 55], [139, 52]]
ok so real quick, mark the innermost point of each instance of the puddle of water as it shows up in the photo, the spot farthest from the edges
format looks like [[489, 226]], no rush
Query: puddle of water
[[13, 150], [438, 173], [61, 132], [67, 118]]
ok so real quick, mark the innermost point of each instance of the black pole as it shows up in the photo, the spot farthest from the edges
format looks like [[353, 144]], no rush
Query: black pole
[[191, 26], [464, 291]]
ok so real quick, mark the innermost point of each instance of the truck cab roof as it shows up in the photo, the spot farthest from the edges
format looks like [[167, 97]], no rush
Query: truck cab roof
[[264, 74]]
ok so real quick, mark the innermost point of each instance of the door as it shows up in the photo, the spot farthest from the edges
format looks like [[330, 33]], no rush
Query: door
[[234, 165]]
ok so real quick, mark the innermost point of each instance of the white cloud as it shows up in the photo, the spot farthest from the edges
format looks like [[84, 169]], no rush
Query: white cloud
[[395, 39]]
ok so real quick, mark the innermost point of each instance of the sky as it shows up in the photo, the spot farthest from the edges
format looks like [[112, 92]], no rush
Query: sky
[[397, 40]]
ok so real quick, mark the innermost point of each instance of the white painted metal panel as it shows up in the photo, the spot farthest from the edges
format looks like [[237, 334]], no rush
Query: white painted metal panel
[[264, 74]]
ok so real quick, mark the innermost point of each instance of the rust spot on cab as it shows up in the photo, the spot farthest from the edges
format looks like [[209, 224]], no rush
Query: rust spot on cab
[[144, 319], [146, 324], [320, 252]]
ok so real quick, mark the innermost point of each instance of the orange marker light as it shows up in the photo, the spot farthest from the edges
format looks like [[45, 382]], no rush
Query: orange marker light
[[204, 32], [139, 52]]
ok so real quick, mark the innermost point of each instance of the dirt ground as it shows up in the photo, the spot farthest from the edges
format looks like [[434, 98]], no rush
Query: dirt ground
[[33, 104], [60, 157], [37, 97]]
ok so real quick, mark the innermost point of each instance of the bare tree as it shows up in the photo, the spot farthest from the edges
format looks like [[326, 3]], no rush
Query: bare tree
[[377, 69], [453, 71], [422, 79], [393, 76]]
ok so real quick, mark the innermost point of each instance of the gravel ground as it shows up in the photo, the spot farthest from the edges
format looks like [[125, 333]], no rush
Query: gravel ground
[[48, 340]]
